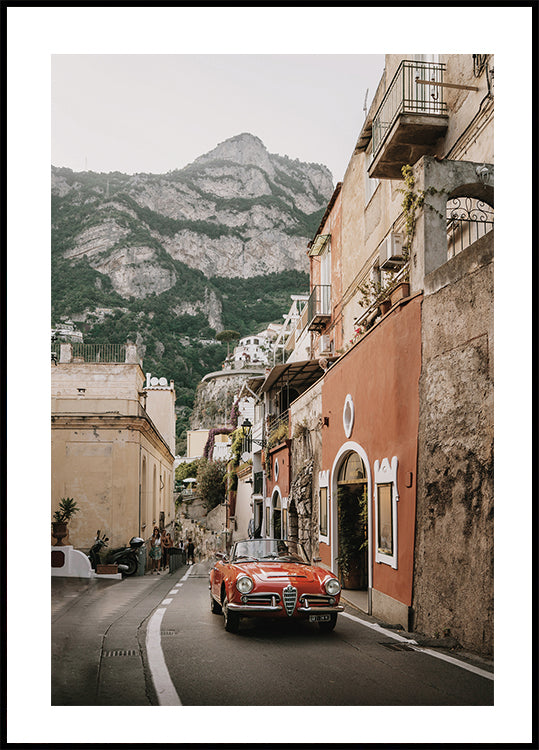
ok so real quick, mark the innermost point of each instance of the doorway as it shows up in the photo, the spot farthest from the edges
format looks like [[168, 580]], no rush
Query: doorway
[[352, 523], [276, 516]]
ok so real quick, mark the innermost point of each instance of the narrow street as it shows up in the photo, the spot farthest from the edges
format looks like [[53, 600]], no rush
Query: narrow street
[[152, 640]]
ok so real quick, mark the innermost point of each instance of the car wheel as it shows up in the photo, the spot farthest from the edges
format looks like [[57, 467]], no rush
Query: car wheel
[[215, 606], [232, 619], [327, 627]]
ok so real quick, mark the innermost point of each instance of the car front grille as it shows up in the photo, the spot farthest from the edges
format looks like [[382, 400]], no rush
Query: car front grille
[[316, 600], [290, 597]]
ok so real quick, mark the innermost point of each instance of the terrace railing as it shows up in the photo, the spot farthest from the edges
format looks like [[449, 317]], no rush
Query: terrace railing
[[406, 96]]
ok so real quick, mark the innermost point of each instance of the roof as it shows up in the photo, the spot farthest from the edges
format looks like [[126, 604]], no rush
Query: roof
[[299, 375]]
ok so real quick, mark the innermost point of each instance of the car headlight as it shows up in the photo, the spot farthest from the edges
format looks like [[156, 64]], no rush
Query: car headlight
[[332, 586], [244, 584]]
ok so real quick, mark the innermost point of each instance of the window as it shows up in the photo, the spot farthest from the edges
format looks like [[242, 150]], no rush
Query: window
[[385, 515], [371, 183], [323, 515], [385, 519]]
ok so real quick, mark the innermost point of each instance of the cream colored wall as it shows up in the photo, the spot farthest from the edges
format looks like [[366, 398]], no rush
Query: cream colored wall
[[160, 407], [100, 382], [98, 462], [244, 511], [365, 225], [99, 468], [196, 440]]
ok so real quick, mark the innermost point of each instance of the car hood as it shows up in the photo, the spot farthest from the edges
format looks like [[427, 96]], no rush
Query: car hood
[[282, 572]]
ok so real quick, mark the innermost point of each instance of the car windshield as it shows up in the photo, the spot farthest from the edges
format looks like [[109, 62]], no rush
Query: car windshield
[[269, 549]]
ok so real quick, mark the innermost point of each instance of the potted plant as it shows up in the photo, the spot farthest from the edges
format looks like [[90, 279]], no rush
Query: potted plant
[[66, 510]]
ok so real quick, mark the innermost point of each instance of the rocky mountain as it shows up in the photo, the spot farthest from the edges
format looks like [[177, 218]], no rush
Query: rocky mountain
[[169, 260], [235, 211]]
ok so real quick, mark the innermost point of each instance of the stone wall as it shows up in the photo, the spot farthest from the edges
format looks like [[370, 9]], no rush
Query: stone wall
[[453, 571], [306, 462]]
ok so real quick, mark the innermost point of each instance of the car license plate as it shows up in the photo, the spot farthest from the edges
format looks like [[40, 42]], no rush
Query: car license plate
[[319, 618]]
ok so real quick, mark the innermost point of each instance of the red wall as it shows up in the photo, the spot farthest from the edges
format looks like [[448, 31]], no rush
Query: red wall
[[381, 373], [282, 454]]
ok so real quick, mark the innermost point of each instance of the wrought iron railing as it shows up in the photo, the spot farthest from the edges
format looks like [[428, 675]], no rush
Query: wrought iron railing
[[406, 96], [468, 219], [319, 302], [92, 352]]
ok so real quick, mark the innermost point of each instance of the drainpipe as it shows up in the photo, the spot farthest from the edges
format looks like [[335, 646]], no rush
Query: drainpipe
[[139, 488]]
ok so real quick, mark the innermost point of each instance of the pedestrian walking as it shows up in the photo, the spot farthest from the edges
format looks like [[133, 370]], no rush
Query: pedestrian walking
[[190, 552], [155, 550], [166, 544]]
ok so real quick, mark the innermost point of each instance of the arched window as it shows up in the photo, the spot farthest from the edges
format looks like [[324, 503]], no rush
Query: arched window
[[352, 470]]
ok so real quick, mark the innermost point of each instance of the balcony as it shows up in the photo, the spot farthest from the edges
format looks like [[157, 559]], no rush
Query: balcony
[[410, 119], [319, 307]]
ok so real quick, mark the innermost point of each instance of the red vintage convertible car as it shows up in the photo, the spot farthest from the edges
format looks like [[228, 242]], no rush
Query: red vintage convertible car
[[273, 578]]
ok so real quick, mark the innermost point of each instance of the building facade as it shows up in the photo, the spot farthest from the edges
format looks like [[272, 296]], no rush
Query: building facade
[[385, 468], [112, 446]]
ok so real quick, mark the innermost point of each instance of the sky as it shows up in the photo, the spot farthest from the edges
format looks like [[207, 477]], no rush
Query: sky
[[155, 113], [312, 112]]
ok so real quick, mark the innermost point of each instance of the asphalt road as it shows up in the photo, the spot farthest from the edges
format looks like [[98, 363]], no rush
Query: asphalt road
[[152, 640]]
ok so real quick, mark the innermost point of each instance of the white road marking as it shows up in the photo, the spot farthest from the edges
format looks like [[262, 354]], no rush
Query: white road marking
[[174, 591], [413, 644], [186, 576], [166, 692], [164, 688]]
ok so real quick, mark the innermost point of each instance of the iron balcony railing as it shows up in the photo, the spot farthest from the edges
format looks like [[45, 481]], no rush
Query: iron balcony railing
[[406, 96], [468, 219], [319, 303]]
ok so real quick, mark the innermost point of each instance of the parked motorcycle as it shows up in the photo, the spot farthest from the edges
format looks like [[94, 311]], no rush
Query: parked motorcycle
[[125, 557]]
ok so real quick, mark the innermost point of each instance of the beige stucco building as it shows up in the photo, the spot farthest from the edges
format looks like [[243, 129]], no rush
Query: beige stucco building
[[112, 445]]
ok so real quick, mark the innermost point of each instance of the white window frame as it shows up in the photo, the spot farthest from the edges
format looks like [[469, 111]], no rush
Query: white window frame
[[323, 483], [386, 473]]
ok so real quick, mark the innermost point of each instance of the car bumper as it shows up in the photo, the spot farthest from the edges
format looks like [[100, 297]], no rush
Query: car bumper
[[257, 609]]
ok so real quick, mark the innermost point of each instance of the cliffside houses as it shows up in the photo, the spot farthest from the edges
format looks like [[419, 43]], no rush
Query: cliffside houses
[[372, 441]]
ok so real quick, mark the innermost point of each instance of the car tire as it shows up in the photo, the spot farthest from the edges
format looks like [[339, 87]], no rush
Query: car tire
[[232, 619], [327, 627], [214, 605]]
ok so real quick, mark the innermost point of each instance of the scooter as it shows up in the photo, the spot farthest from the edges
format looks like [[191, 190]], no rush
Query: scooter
[[125, 557]]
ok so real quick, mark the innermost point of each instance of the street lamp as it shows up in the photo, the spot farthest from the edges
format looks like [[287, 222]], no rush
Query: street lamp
[[248, 439]]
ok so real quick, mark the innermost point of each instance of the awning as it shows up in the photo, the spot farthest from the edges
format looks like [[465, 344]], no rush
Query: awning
[[299, 375], [320, 242]]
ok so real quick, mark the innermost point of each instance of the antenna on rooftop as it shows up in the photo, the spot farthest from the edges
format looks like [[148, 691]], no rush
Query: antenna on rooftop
[[365, 103]]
